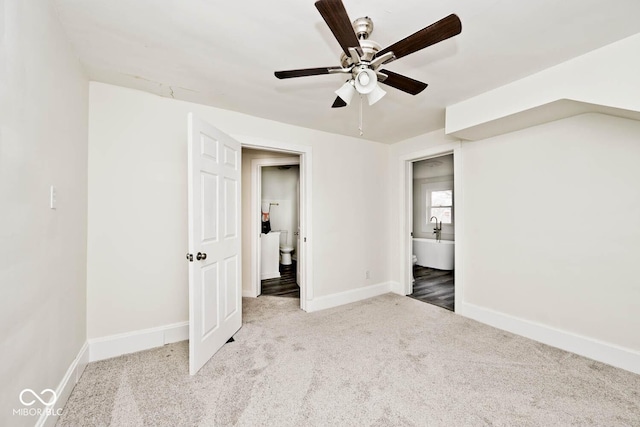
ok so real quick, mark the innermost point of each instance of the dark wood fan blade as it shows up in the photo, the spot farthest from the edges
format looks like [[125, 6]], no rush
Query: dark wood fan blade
[[335, 15], [305, 72], [338, 103], [434, 33], [403, 83]]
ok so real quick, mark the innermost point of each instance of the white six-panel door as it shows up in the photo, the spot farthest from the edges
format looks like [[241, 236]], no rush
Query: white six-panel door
[[215, 294]]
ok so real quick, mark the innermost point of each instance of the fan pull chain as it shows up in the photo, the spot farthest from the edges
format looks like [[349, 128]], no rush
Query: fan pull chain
[[360, 127]]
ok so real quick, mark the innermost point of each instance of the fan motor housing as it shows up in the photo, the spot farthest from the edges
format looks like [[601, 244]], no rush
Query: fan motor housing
[[363, 27], [369, 49]]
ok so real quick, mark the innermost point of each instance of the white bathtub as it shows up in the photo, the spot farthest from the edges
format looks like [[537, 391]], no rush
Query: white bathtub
[[434, 254]]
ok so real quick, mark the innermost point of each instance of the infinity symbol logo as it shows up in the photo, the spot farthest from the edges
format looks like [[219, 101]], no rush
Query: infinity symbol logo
[[42, 393]]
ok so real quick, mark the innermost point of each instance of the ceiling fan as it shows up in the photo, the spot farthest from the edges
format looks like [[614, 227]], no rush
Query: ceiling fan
[[362, 58]]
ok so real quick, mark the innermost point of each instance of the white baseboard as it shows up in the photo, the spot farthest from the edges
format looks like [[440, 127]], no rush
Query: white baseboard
[[353, 295], [104, 348], [130, 342], [267, 276], [63, 391], [610, 354], [247, 294], [397, 288]]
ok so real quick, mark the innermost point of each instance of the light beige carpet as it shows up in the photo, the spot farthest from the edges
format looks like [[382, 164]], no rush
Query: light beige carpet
[[389, 360]]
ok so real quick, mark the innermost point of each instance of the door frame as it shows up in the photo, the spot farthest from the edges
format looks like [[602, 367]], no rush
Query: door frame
[[406, 215], [305, 250], [256, 203]]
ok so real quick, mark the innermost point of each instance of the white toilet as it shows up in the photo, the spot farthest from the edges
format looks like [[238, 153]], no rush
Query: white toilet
[[285, 248]]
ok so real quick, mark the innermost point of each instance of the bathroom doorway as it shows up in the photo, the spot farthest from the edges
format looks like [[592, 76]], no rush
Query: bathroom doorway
[[433, 231], [274, 206], [279, 195], [454, 236]]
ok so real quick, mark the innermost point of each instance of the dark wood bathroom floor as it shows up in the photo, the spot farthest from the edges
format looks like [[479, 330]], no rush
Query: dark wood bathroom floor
[[285, 285], [433, 286]]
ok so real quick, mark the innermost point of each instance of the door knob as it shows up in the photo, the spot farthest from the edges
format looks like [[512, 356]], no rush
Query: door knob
[[201, 256]]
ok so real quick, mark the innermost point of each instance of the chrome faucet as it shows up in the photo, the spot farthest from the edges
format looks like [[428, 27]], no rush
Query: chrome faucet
[[437, 229]]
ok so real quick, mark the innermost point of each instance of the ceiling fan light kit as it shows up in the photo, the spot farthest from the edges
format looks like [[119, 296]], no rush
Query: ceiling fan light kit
[[362, 58], [346, 92], [366, 81], [376, 95]]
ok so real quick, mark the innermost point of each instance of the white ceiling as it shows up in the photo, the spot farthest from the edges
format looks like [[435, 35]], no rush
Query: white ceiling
[[432, 168], [224, 53]]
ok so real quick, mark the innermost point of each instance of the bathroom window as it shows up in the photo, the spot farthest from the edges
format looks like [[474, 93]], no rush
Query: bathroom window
[[436, 199], [441, 206]]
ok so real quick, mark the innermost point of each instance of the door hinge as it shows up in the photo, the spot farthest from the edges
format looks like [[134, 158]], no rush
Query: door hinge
[[190, 257]]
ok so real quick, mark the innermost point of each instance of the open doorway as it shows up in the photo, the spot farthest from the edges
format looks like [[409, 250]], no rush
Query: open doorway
[[433, 237], [406, 230], [279, 187], [275, 254]]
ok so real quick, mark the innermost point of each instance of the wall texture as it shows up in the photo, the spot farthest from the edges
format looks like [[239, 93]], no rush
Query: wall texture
[[137, 274], [43, 142], [551, 226]]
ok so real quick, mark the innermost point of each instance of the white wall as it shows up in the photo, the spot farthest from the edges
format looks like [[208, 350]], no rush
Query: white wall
[[530, 253], [137, 274], [281, 186], [551, 220], [43, 142]]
